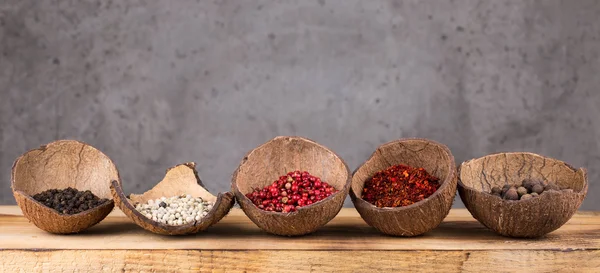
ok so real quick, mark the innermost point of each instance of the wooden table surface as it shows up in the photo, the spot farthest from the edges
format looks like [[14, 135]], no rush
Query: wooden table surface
[[346, 244]]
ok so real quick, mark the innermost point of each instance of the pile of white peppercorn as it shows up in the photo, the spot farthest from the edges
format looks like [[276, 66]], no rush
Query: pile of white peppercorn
[[176, 210]]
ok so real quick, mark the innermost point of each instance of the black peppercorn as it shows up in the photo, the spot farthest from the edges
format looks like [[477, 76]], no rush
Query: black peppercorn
[[162, 204], [69, 200]]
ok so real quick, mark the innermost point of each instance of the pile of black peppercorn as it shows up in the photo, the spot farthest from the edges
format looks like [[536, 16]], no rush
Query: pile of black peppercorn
[[528, 188], [69, 200]]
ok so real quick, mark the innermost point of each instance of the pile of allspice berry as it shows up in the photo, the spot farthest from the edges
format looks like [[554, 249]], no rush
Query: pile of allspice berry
[[527, 189]]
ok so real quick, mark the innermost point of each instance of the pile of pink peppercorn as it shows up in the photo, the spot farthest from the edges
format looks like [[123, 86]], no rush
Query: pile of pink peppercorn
[[290, 192]]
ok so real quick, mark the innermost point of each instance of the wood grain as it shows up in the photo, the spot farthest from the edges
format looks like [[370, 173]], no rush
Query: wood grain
[[346, 244], [347, 231], [299, 261]]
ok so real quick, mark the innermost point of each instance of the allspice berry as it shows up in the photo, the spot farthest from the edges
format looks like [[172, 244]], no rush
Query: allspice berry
[[526, 196], [511, 194], [537, 188], [529, 188], [522, 191], [528, 183]]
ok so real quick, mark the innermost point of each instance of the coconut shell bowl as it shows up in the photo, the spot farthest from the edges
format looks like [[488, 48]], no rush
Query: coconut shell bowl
[[277, 157], [59, 165], [422, 216], [530, 218], [179, 180]]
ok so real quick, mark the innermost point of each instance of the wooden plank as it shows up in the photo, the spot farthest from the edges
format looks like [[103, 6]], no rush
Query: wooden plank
[[298, 261], [346, 232]]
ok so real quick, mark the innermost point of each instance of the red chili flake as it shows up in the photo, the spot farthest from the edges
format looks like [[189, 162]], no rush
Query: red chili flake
[[399, 186]]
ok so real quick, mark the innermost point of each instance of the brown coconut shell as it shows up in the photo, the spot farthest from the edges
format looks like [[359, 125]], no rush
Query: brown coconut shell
[[58, 165], [421, 216], [180, 179], [277, 157], [530, 218]]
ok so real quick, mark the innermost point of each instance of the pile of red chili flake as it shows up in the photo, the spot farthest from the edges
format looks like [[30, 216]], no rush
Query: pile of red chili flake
[[399, 186], [290, 192]]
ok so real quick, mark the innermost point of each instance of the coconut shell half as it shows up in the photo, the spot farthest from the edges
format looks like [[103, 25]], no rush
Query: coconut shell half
[[421, 216], [59, 165], [523, 218], [181, 179], [277, 157]]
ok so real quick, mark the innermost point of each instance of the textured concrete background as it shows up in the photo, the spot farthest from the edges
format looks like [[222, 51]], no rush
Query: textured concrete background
[[156, 83]]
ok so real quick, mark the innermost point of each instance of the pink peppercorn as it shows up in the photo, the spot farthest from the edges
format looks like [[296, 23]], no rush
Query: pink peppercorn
[[290, 192]]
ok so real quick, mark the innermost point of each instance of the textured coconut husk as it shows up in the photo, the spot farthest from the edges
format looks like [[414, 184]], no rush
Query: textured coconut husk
[[277, 157], [181, 179], [421, 216], [58, 165], [523, 218]]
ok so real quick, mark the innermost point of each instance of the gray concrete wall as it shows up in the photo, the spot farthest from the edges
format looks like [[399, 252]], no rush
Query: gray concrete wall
[[156, 83]]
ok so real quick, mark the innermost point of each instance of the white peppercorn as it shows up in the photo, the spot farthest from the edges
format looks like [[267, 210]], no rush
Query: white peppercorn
[[176, 210]]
